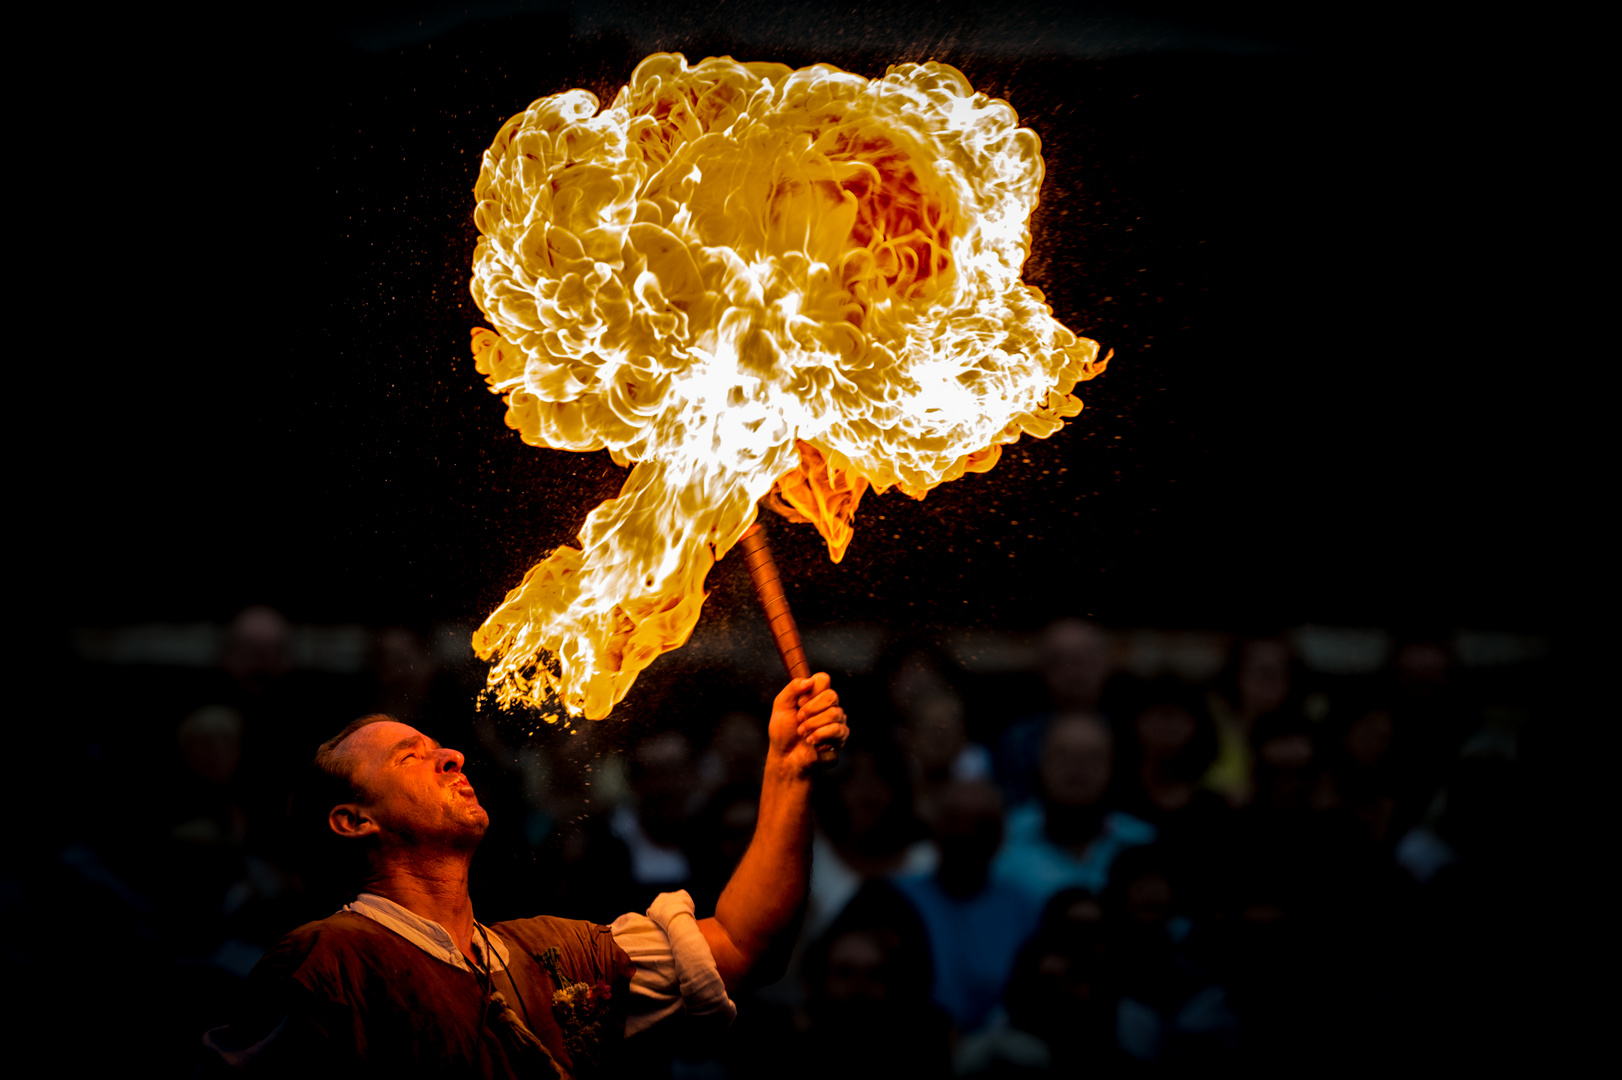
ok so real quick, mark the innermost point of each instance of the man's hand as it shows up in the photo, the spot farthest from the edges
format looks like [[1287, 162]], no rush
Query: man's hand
[[805, 715]]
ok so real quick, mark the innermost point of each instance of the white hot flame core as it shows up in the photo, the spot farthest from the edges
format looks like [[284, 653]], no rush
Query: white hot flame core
[[750, 282]]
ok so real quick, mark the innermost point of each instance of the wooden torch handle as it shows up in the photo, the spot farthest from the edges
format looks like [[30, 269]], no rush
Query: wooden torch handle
[[757, 555]]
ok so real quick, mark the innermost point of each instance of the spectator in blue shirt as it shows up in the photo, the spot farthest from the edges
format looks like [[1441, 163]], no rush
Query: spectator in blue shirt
[[1067, 836], [975, 924]]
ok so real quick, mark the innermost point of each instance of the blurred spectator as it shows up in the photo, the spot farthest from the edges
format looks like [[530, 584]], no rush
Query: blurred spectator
[[1305, 908], [205, 852], [1068, 837], [256, 648], [1170, 1010], [211, 746], [866, 827], [719, 836], [404, 666], [1483, 955], [975, 924], [1261, 677], [1075, 663], [932, 728], [571, 795], [736, 754], [653, 826], [1474, 814], [286, 711], [1360, 764], [919, 676], [867, 1008], [941, 753], [1061, 1005], [1430, 723], [1170, 743]]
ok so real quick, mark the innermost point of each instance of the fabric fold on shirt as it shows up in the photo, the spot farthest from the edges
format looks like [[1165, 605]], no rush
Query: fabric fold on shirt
[[675, 970], [428, 935]]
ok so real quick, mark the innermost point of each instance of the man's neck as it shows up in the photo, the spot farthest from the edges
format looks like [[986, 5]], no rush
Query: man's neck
[[1074, 827], [435, 889]]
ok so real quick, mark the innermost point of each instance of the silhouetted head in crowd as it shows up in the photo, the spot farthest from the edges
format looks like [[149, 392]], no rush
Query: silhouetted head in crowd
[[1074, 918], [1358, 750], [1062, 989], [1286, 760], [919, 676], [1359, 733], [1140, 889], [936, 734], [660, 772], [1139, 903], [937, 740], [719, 836], [737, 751], [1172, 736], [968, 829], [1075, 661], [867, 990], [865, 804], [211, 743], [256, 647], [1262, 675], [404, 665], [1077, 764], [1423, 665], [1077, 761]]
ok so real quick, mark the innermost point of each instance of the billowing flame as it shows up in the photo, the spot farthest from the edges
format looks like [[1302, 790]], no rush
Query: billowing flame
[[751, 282]]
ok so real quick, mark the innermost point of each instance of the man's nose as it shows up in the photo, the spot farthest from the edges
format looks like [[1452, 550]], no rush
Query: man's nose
[[450, 760]]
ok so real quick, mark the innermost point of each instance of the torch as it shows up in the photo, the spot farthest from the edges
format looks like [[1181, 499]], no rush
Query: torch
[[757, 555], [755, 287]]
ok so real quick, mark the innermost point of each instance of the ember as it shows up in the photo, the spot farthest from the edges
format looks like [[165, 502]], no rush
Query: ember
[[750, 283]]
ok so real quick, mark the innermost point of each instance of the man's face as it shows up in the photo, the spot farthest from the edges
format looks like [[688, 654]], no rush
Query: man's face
[[412, 787], [1076, 760]]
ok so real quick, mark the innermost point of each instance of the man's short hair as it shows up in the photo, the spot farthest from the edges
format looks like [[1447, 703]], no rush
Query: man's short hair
[[332, 863]]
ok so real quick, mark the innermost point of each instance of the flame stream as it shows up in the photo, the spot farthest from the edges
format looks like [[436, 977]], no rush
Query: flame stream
[[752, 283]]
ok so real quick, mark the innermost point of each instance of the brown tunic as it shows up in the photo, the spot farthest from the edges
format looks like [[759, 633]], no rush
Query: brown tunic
[[347, 996]]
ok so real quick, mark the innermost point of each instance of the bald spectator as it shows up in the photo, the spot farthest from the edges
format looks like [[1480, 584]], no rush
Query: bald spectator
[[1067, 837]]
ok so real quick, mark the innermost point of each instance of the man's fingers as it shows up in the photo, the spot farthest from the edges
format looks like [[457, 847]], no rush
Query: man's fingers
[[830, 735], [799, 691], [815, 724], [819, 704], [790, 695]]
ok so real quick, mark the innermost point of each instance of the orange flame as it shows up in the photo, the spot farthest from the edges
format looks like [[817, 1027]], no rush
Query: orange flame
[[750, 283]]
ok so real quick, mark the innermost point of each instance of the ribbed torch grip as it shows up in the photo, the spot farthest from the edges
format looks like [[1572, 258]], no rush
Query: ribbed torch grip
[[757, 555]]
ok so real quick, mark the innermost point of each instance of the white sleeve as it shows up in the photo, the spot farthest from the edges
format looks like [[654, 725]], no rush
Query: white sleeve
[[675, 971]]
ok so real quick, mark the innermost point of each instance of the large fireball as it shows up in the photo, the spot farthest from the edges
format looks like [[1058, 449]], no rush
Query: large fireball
[[750, 283]]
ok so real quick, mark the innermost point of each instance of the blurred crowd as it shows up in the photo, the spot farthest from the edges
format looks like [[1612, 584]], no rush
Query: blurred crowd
[[1074, 869]]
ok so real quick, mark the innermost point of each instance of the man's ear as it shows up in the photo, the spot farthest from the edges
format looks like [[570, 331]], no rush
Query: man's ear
[[351, 821]]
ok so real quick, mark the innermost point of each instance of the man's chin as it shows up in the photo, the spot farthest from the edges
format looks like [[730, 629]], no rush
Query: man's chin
[[467, 829]]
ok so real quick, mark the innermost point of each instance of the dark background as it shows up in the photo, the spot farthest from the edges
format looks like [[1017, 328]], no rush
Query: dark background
[[1293, 229]]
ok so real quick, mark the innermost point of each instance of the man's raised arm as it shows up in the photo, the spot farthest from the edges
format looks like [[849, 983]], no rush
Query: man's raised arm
[[766, 890]]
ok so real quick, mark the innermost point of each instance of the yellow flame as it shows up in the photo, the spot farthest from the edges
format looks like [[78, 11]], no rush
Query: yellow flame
[[751, 282]]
